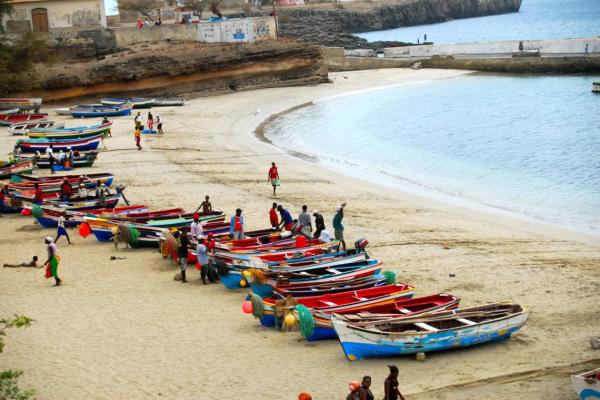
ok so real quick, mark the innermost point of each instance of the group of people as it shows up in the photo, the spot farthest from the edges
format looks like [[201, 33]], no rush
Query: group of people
[[146, 23], [362, 390], [149, 123]]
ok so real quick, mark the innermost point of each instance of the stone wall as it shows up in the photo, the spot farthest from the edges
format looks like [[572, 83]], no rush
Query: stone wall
[[497, 48], [130, 36]]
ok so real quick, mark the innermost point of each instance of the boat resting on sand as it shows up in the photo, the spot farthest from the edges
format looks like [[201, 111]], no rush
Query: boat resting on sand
[[33, 145], [9, 119], [436, 331], [587, 384], [95, 110], [137, 102], [20, 167], [24, 128]]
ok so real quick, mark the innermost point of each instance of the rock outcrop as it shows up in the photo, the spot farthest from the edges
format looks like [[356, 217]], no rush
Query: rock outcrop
[[333, 24]]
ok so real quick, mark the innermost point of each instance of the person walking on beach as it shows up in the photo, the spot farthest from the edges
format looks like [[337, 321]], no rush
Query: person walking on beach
[[273, 217], [338, 228], [138, 137], [586, 51], [365, 389], [38, 195], [390, 386], [182, 253], [205, 206], [196, 231], [202, 255], [354, 387], [31, 264], [306, 222], [52, 261], [62, 227], [159, 124], [236, 225], [273, 177], [287, 221], [150, 121], [211, 243], [319, 223]]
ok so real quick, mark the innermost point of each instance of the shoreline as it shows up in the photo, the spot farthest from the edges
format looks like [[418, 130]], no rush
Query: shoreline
[[114, 323], [406, 186]]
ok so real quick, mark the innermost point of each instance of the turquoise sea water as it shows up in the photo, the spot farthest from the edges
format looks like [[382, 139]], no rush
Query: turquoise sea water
[[529, 145], [537, 19]]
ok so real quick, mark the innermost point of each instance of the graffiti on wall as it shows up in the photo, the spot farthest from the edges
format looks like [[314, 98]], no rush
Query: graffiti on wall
[[261, 29]]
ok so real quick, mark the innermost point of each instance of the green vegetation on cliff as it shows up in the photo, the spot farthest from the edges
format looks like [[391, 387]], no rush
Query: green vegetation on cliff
[[17, 59]]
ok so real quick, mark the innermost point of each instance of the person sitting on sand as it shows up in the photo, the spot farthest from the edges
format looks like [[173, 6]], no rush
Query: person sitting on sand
[[392, 392], [354, 387], [31, 264], [365, 389], [205, 206]]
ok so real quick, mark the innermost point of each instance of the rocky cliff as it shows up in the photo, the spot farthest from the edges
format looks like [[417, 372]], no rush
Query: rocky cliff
[[333, 24], [167, 69]]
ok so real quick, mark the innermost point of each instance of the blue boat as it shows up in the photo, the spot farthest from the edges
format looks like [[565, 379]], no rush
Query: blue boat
[[100, 110], [443, 330], [232, 279]]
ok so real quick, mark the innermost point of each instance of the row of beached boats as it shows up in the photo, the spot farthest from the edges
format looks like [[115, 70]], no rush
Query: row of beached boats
[[326, 292]]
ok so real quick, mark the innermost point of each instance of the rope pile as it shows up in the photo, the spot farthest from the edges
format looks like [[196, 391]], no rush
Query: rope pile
[[305, 320], [390, 277]]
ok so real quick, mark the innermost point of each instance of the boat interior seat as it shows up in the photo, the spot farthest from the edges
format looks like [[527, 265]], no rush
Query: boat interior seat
[[466, 321], [426, 327], [327, 303], [333, 271], [403, 310], [360, 298]]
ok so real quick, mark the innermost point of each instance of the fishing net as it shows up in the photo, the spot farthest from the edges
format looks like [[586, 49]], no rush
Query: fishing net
[[168, 246], [258, 276], [134, 237], [305, 320], [283, 308], [36, 211], [390, 277], [258, 308], [16, 179]]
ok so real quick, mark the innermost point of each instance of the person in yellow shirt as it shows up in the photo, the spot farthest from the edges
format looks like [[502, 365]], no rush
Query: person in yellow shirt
[[138, 137]]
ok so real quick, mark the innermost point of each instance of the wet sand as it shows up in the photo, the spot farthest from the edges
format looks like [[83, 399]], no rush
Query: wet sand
[[125, 329]]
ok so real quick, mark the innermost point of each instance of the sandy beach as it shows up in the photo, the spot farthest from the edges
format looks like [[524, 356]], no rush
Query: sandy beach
[[124, 329]]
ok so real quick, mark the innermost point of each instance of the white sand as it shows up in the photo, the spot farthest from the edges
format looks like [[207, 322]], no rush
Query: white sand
[[124, 329]]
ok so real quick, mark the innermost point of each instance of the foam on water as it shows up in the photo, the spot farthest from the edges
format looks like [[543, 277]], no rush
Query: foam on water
[[537, 19], [529, 145]]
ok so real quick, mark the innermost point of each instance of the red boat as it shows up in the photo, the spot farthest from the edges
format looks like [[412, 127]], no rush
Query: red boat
[[103, 177], [9, 119], [283, 290]]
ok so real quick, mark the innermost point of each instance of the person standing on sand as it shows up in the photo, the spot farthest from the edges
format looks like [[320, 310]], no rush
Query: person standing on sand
[[273, 177], [365, 389], [139, 24], [392, 392], [319, 224], [159, 124], [273, 217], [586, 51], [338, 228], [205, 206], [305, 221], [150, 121], [138, 137], [52, 261], [236, 225], [62, 227], [212, 269], [138, 121], [182, 253], [287, 221], [202, 255], [51, 159], [196, 231]]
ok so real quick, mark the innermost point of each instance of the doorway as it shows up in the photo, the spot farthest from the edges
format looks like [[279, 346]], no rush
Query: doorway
[[39, 19]]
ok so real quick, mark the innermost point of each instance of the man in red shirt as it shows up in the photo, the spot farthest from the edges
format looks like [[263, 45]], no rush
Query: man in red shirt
[[273, 177], [273, 217], [65, 190], [38, 197]]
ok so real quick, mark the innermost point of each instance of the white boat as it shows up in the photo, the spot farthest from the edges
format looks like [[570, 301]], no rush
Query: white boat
[[596, 87], [26, 127], [168, 101], [11, 111], [136, 102], [587, 384], [62, 111]]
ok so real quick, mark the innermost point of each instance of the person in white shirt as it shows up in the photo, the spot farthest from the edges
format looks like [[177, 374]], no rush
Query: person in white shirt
[[325, 236], [62, 227], [202, 254], [51, 159], [196, 230], [138, 121], [82, 192]]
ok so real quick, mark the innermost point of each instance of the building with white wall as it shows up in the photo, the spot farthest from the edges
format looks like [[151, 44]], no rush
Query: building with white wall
[[53, 15]]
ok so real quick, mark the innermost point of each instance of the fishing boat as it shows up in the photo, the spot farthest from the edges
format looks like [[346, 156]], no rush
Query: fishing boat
[[33, 145], [19, 167], [49, 214], [168, 101], [62, 111], [83, 160], [265, 308], [587, 384], [318, 319], [278, 255], [11, 111], [331, 287], [9, 119], [136, 102], [90, 180], [95, 110], [596, 87], [86, 130], [22, 104], [443, 330], [25, 127]]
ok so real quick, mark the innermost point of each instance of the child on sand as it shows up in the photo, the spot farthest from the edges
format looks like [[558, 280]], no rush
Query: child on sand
[[138, 137], [31, 264]]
